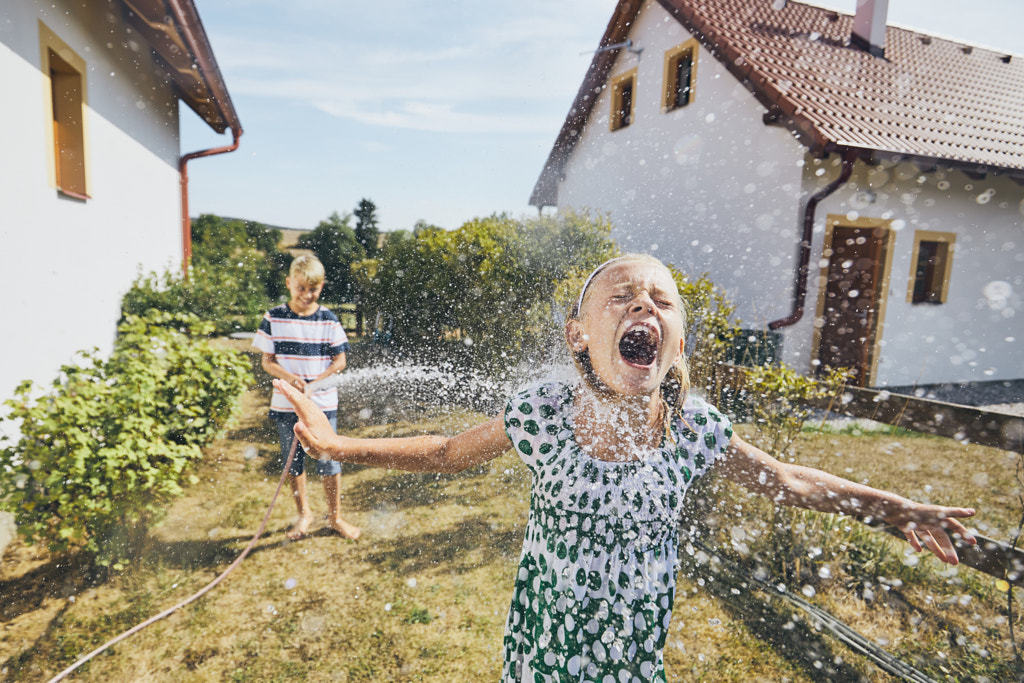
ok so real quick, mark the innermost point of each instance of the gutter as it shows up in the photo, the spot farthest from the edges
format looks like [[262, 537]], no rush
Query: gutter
[[803, 269], [186, 220], [187, 19]]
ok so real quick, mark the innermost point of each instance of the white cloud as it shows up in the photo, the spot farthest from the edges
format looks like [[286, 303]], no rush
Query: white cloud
[[457, 66]]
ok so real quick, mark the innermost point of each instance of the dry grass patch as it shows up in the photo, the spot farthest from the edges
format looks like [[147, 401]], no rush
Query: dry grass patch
[[423, 594]]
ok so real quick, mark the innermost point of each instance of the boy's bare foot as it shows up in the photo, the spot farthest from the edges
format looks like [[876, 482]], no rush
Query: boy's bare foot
[[344, 528], [298, 531]]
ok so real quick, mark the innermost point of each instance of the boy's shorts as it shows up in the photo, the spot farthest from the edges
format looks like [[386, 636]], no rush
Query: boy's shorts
[[286, 431]]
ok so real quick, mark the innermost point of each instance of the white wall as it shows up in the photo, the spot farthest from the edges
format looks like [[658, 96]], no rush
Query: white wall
[[978, 333], [65, 263], [711, 188]]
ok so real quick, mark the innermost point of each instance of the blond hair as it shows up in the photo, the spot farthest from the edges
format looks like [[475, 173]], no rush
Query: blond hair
[[676, 384], [309, 268]]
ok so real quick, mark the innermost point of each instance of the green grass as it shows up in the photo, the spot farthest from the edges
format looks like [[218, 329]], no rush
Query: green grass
[[423, 595]]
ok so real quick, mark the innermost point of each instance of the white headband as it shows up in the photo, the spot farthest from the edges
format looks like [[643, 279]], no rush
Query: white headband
[[579, 302]]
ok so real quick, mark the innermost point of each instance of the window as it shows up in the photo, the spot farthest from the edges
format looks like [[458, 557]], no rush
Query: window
[[67, 114], [623, 100], [680, 76], [931, 264]]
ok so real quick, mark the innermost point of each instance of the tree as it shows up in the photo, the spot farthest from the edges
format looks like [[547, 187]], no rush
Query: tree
[[335, 244], [237, 271], [366, 226], [485, 290]]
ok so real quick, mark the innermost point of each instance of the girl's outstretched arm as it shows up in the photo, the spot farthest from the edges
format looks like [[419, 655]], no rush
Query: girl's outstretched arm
[[415, 454], [925, 526]]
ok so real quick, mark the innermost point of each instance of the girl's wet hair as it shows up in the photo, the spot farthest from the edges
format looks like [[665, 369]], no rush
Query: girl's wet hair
[[676, 384]]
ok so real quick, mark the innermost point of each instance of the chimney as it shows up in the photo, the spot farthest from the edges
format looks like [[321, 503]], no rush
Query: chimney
[[869, 26]]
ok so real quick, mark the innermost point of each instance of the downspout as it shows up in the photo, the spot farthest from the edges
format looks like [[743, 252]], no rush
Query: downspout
[[186, 221], [803, 269]]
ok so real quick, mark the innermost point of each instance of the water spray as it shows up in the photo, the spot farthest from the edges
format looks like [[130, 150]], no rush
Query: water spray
[[198, 594]]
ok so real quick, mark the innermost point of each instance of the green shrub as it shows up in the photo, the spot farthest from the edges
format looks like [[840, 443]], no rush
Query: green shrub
[[231, 297], [483, 291], [778, 402], [237, 271], [102, 452]]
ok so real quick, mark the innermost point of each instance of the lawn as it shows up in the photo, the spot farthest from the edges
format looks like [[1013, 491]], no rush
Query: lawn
[[422, 595]]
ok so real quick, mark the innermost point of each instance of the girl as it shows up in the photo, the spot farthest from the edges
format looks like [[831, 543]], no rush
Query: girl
[[611, 458]]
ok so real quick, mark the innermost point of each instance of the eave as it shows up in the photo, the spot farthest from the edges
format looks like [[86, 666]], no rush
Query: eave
[[182, 50]]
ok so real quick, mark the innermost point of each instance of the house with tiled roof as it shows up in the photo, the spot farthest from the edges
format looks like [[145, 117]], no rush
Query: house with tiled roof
[[94, 180], [856, 189]]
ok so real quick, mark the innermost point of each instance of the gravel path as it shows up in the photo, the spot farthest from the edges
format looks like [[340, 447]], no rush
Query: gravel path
[[1005, 396]]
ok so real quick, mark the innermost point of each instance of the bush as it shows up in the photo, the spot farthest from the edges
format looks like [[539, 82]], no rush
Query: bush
[[230, 298], [237, 271], [484, 291], [778, 402], [112, 441]]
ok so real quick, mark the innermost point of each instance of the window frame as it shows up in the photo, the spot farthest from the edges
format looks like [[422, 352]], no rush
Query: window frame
[[943, 269], [615, 118], [63, 71], [670, 75]]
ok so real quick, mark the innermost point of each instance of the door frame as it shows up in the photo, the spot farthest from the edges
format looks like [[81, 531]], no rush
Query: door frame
[[882, 286]]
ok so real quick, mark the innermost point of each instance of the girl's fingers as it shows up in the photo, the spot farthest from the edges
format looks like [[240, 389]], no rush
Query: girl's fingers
[[912, 539]]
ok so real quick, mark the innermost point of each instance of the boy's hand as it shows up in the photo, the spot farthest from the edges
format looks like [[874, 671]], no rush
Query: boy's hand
[[313, 429], [930, 526]]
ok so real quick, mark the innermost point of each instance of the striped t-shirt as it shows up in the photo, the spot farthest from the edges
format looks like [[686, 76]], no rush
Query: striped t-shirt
[[304, 346]]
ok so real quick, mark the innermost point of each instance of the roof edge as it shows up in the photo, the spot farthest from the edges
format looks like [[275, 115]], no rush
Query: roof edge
[[187, 17], [545, 191]]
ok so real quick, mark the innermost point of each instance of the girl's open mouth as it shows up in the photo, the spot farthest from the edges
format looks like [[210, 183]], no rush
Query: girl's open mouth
[[639, 346]]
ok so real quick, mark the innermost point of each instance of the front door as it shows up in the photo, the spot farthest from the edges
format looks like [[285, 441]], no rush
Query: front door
[[852, 294]]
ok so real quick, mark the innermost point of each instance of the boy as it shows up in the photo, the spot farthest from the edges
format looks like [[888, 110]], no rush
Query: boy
[[303, 342]]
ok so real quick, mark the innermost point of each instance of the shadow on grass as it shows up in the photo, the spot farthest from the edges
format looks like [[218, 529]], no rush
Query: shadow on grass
[[406, 490], [59, 578], [791, 638], [460, 548]]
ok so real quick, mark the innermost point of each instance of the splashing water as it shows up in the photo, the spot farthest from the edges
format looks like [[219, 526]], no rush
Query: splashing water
[[399, 389]]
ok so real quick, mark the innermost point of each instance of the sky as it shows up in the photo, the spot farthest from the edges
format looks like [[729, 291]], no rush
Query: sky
[[435, 110]]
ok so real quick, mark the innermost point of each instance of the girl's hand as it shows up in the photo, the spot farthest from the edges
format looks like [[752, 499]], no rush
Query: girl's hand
[[930, 526], [313, 429]]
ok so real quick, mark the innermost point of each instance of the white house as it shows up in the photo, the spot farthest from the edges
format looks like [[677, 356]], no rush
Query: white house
[[91, 173], [853, 187]]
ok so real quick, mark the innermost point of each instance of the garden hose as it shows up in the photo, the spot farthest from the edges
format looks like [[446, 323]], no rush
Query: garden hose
[[252, 544]]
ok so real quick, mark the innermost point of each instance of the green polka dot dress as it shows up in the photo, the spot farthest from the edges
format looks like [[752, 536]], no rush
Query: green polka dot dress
[[596, 582]]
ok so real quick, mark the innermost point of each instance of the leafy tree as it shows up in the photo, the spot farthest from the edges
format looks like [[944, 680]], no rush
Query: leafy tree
[[237, 270], [366, 226], [335, 244], [485, 289]]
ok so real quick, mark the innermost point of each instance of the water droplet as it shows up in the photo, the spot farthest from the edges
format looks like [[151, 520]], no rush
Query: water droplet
[[808, 591], [290, 584]]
